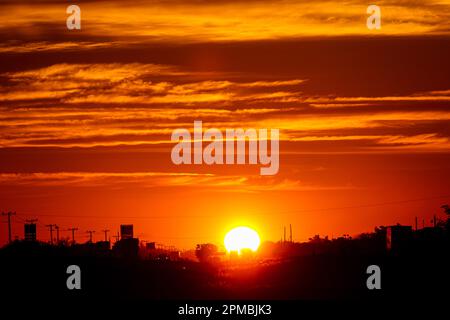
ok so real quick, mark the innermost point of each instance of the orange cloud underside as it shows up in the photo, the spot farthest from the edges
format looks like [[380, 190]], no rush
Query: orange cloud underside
[[233, 20]]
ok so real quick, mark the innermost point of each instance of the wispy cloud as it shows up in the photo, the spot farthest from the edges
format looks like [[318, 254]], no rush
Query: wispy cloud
[[44, 46], [130, 83], [209, 182], [112, 104], [192, 21]]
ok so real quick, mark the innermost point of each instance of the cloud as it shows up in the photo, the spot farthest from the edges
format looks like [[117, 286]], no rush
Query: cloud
[[200, 21], [96, 179], [114, 104], [199, 181], [130, 83], [112, 72], [156, 179], [44, 46]]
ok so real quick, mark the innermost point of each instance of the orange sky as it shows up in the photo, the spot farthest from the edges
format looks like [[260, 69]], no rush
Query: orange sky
[[86, 116]]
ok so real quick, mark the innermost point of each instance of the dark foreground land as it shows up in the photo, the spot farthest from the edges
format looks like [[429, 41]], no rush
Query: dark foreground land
[[39, 272]]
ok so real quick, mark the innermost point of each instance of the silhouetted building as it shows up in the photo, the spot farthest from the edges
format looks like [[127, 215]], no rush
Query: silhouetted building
[[103, 245], [154, 251], [126, 231], [430, 238], [151, 246], [208, 252], [398, 237], [127, 248], [30, 231]]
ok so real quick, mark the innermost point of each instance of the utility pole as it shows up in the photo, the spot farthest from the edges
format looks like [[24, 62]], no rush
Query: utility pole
[[416, 223], [106, 234], [117, 237], [57, 233], [290, 233], [9, 214], [90, 234], [51, 231], [284, 234], [73, 234]]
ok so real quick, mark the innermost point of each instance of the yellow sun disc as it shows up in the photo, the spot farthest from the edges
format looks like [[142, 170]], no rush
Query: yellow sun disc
[[241, 238]]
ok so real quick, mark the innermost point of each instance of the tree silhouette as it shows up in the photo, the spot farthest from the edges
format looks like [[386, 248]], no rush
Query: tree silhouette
[[446, 208], [205, 252]]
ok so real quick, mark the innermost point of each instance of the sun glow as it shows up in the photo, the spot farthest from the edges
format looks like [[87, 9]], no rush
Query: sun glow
[[241, 238]]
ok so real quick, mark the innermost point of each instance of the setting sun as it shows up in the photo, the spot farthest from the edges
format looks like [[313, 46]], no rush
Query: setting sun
[[241, 238]]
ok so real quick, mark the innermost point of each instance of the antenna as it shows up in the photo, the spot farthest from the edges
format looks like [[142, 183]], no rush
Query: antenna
[[290, 232]]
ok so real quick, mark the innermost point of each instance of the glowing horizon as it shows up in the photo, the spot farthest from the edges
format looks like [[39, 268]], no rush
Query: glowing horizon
[[86, 116]]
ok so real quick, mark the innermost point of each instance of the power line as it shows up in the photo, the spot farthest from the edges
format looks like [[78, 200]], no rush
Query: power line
[[73, 234], [117, 237], [90, 234], [50, 226], [9, 214], [57, 233], [277, 212], [106, 234], [379, 204]]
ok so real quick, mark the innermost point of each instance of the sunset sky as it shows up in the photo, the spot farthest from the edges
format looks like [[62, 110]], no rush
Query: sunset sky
[[86, 115]]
